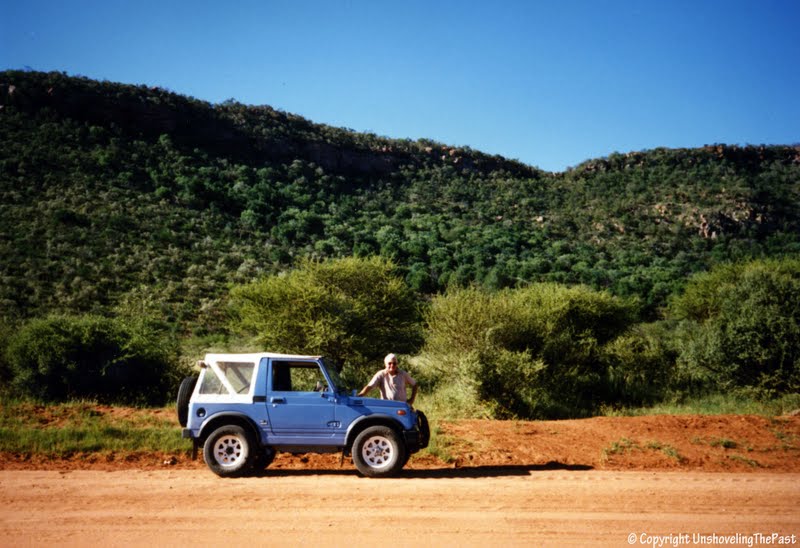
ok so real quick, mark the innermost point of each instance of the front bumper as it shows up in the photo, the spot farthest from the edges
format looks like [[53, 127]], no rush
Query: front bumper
[[419, 437], [412, 440]]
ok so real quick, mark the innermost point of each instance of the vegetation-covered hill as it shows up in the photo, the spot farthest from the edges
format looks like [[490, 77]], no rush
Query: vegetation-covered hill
[[117, 197]]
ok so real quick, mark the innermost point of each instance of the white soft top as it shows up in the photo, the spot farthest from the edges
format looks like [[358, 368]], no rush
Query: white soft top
[[218, 385], [256, 356]]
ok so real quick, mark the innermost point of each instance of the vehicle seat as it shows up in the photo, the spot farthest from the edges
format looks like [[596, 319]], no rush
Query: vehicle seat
[[281, 378]]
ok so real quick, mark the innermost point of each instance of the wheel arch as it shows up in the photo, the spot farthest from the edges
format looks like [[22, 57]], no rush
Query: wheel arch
[[224, 419], [370, 420]]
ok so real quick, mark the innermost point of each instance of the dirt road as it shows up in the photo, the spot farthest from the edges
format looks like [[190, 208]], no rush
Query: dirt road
[[511, 505], [601, 481]]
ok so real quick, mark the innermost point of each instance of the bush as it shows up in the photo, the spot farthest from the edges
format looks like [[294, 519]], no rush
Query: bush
[[535, 352], [66, 357], [740, 326], [641, 364], [352, 310], [5, 369]]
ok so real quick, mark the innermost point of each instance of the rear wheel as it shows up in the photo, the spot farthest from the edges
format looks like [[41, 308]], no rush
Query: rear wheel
[[378, 452], [229, 451], [263, 458]]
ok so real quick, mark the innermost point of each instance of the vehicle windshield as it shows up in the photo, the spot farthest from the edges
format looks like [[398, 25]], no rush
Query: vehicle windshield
[[338, 385]]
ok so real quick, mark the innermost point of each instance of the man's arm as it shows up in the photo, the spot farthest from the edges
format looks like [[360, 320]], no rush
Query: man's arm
[[414, 388], [373, 383]]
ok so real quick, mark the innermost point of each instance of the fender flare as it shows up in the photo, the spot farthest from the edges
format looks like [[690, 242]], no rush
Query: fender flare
[[227, 417], [365, 421]]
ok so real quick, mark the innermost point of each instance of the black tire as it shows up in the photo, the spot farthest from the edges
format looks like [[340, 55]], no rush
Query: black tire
[[424, 430], [184, 395], [229, 451], [378, 452], [263, 458]]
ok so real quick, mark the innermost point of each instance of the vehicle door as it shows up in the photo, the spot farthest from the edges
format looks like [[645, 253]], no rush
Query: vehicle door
[[301, 408]]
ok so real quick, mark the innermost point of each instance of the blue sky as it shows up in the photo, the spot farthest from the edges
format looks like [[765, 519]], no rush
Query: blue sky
[[549, 83]]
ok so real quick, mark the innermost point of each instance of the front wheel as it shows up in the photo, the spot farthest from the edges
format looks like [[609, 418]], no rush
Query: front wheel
[[378, 452], [229, 451]]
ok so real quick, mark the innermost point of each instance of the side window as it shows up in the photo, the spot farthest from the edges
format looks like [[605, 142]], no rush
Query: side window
[[237, 374], [211, 384], [297, 377]]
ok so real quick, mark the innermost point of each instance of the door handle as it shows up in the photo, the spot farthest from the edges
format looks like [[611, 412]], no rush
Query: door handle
[[277, 400]]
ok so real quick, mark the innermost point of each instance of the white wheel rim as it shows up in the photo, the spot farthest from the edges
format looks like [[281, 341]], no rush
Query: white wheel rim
[[378, 452], [229, 451]]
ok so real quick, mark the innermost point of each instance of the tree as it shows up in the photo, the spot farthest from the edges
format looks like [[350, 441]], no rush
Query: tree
[[352, 310], [741, 325]]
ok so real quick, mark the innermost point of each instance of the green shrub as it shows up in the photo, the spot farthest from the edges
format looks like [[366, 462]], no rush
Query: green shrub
[[352, 310], [641, 364], [5, 369], [732, 402], [110, 360], [535, 352], [741, 326]]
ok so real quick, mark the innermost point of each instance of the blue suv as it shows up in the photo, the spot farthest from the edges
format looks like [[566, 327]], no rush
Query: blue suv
[[243, 408]]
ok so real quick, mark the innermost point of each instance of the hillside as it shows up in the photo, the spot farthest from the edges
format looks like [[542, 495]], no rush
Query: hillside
[[139, 199]]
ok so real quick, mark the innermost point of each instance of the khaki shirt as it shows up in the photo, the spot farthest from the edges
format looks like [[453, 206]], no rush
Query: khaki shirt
[[392, 387]]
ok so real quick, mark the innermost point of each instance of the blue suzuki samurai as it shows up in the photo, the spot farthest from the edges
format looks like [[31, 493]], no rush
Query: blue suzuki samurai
[[243, 408]]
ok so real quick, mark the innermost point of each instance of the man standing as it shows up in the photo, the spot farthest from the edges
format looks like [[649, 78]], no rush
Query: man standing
[[392, 382]]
